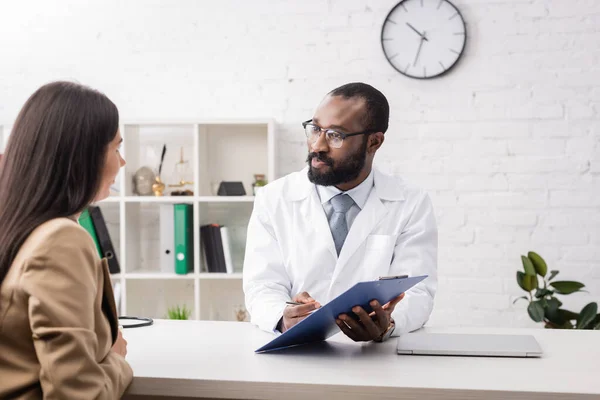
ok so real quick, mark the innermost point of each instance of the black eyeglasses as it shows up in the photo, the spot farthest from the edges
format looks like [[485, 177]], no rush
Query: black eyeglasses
[[334, 138]]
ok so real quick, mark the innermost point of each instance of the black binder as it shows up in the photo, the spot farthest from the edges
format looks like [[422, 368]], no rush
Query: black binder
[[106, 245], [213, 248]]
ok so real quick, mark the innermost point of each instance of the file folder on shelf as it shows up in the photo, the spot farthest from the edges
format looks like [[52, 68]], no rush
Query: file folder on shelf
[[167, 238], [85, 220], [106, 244], [227, 249], [184, 238], [213, 248]]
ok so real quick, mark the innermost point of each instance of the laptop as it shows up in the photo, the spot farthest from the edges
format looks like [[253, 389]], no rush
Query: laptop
[[453, 344]]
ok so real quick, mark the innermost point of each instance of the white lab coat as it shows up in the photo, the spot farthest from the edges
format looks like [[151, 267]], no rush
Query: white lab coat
[[290, 248]]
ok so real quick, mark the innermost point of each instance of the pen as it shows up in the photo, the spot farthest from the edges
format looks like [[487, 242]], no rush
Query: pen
[[293, 303], [383, 278]]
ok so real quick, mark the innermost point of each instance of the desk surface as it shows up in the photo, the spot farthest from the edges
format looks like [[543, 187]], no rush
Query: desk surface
[[205, 359]]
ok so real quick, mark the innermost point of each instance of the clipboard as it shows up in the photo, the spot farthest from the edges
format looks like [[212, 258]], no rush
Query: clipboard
[[321, 325]]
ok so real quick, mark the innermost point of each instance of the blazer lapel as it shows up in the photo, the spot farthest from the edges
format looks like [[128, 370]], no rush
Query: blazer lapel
[[108, 302]]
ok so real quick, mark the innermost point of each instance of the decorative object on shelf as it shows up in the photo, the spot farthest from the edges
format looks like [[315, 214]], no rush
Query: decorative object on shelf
[[182, 169], [241, 314], [179, 312], [142, 181], [259, 181], [543, 306], [231, 189], [159, 187], [423, 39]]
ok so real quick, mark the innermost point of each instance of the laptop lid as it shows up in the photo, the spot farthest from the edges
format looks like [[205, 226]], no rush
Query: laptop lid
[[453, 344]]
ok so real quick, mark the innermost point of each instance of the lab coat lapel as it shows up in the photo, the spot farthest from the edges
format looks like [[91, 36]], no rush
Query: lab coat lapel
[[304, 192], [314, 215]]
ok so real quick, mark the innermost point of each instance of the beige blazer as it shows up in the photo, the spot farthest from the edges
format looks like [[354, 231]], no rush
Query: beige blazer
[[58, 320]]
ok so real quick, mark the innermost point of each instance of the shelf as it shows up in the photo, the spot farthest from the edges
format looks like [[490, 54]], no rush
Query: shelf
[[225, 199], [158, 275], [217, 275], [220, 121], [217, 150], [159, 199], [161, 275], [179, 199], [111, 199]]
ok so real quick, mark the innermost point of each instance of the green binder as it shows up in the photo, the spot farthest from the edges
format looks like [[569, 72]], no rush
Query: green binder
[[85, 220], [184, 238]]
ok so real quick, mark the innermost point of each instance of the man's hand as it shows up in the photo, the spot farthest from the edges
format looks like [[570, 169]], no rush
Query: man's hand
[[369, 326], [294, 314]]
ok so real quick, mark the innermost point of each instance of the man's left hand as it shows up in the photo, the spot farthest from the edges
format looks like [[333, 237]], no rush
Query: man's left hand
[[369, 326]]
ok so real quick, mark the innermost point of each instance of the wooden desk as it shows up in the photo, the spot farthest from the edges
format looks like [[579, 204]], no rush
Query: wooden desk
[[202, 359]]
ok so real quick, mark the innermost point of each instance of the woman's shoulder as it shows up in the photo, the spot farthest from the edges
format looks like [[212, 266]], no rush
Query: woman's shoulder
[[59, 229], [57, 244], [57, 233]]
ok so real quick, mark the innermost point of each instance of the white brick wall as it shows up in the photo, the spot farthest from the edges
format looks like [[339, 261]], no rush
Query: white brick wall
[[507, 144]]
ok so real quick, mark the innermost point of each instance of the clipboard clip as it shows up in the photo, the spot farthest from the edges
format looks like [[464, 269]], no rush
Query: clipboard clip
[[383, 278]]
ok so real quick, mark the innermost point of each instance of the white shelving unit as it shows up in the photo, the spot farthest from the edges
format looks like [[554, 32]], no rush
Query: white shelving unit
[[216, 150]]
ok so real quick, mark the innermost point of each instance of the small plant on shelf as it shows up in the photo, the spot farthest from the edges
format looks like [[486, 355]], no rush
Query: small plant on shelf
[[178, 312], [544, 306]]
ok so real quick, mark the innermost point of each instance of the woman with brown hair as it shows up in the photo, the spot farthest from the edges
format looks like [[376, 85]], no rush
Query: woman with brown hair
[[59, 336]]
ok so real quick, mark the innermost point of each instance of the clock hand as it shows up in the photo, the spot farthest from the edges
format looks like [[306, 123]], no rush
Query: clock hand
[[418, 33], [419, 51]]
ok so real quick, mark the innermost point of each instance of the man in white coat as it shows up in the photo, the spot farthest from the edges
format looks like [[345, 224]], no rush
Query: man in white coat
[[315, 233]]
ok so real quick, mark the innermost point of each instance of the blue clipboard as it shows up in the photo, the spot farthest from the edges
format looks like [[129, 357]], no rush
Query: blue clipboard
[[321, 325]]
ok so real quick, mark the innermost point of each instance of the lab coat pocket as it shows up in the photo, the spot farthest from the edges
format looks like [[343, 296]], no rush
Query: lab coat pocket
[[379, 250], [380, 242]]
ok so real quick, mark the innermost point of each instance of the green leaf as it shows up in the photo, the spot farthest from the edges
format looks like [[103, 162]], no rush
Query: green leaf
[[519, 298], [527, 266], [568, 315], [553, 304], [538, 263], [566, 287], [553, 273], [536, 311], [521, 280], [587, 315], [539, 293], [531, 282], [597, 327]]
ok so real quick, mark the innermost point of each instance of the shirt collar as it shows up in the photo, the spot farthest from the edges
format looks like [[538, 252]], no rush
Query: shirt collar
[[359, 194]]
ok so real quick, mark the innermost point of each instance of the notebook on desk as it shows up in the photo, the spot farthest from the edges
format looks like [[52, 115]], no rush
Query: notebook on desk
[[453, 344], [321, 324]]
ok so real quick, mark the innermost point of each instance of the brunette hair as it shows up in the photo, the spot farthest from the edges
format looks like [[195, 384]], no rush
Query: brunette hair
[[52, 164]]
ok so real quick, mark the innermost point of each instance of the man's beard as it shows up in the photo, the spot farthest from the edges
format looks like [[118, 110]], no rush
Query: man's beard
[[345, 171]]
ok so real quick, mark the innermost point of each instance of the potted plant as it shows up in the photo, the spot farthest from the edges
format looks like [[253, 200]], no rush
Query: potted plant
[[543, 304], [178, 312]]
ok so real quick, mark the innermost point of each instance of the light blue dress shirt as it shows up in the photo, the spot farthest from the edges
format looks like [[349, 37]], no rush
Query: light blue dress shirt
[[359, 194]]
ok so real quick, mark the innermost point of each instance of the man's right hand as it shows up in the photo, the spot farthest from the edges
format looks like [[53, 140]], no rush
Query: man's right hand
[[294, 314]]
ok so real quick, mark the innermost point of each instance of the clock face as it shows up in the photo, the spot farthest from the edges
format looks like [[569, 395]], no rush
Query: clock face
[[423, 38]]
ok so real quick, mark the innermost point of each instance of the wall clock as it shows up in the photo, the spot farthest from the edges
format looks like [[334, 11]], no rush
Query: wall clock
[[423, 38]]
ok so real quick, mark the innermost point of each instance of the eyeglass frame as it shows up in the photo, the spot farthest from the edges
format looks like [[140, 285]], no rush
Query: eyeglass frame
[[343, 135]]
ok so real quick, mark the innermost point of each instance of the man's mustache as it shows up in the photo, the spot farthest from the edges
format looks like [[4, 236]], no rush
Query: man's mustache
[[320, 157]]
